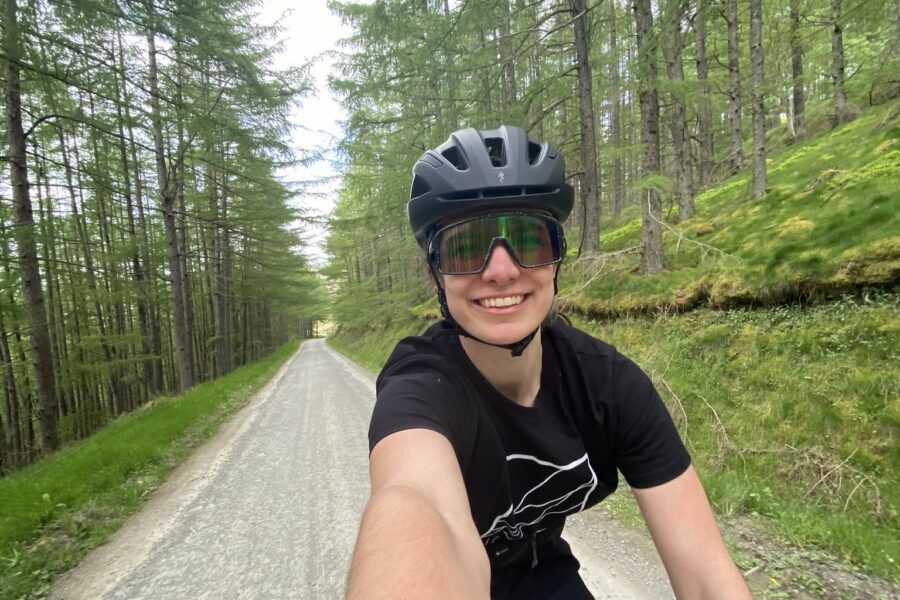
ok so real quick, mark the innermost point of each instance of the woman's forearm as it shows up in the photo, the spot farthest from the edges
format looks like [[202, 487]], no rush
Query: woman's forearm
[[407, 548]]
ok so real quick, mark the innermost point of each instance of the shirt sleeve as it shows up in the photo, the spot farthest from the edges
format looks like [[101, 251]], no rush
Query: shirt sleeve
[[419, 396], [649, 451]]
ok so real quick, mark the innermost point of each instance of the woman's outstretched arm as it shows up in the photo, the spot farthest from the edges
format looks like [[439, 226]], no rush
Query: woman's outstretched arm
[[684, 530], [417, 538]]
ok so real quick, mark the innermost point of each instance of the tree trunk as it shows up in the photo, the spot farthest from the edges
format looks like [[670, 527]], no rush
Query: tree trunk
[[734, 77], [841, 110], [704, 115], [487, 84], [633, 128], [17, 388], [678, 121], [14, 448], [508, 65], [181, 229], [451, 80], [615, 116], [137, 269], [220, 265], [156, 382], [759, 110], [535, 60], [83, 397], [41, 356], [48, 242], [182, 335], [651, 220], [798, 108], [590, 192]]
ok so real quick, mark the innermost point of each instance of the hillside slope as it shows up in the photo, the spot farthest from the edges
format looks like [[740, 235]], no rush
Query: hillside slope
[[830, 223]]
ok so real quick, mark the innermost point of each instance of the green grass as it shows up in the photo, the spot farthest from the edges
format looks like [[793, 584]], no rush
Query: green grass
[[372, 350], [830, 222], [55, 510], [789, 413]]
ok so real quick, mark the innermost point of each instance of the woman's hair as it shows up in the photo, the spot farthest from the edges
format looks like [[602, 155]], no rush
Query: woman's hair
[[554, 314]]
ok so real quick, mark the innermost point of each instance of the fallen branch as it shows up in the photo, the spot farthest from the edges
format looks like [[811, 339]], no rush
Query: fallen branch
[[828, 474], [595, 267], [681, 237]]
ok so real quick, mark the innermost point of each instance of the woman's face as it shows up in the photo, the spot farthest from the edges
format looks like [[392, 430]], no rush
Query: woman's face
[[505, 302]]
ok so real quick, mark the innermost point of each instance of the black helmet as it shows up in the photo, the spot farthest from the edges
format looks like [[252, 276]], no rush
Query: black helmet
[[486, 170]]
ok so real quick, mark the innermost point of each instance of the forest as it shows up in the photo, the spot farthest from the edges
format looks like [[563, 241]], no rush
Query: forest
[[146, 240]]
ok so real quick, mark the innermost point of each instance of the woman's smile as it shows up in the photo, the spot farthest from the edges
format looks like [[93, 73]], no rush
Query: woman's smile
[[502, 303]]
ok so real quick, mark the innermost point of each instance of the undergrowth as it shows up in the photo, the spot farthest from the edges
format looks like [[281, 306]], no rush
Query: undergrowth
[[791, 413]]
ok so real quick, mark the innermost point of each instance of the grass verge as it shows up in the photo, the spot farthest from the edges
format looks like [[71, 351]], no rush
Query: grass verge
[[56, 510]]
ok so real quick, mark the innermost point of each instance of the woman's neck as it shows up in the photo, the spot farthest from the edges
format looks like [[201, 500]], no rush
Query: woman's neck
[[518, 378]]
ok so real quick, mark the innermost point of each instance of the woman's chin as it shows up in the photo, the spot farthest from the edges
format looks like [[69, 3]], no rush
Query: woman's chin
[[500, 337]]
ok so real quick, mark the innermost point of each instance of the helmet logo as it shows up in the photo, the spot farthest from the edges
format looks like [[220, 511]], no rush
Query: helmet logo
[[500, 176]]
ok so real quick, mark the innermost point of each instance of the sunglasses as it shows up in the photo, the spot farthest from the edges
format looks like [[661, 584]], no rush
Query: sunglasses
[[464, 248]]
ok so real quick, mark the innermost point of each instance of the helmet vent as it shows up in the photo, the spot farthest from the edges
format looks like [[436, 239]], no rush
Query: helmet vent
[[455, 157], [419, 187], [534, 190], [496, 151], [534, 152], [465, 195], [501, 192]]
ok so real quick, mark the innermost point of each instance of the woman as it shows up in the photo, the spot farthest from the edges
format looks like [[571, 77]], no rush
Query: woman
[[501, 419]]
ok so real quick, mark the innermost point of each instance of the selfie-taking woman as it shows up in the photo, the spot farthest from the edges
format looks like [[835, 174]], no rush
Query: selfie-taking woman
[[502, 419]]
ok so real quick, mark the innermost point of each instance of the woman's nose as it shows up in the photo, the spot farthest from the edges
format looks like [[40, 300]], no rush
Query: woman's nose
[[501, 267]]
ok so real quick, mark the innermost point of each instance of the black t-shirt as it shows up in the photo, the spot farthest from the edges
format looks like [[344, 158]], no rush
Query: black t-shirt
[[525, 468]]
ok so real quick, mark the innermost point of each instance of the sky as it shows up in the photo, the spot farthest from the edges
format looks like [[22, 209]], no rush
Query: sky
[[310, 31]]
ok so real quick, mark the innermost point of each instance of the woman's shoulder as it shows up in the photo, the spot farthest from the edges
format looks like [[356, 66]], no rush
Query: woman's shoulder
[[429, 351]]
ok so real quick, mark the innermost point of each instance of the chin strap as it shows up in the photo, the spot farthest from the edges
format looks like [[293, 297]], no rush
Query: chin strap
[[516, 348]]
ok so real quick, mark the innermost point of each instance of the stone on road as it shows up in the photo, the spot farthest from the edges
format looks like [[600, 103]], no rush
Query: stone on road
[[270, 507]]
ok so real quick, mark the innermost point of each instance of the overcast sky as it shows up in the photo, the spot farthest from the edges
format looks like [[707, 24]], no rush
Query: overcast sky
[[310, 31]]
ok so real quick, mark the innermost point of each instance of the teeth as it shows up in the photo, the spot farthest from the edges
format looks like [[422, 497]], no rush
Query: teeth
[[501, 302]]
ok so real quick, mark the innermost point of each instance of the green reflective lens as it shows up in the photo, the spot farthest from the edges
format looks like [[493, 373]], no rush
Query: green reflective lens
[[464, 248]]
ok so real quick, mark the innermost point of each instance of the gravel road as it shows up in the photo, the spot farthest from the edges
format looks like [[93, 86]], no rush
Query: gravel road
[[269, 508]]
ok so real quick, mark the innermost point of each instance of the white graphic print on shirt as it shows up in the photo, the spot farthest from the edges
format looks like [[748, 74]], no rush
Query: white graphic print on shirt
[[546, 489]]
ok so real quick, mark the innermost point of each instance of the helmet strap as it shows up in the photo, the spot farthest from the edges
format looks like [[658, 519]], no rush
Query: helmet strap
[[516, 348]]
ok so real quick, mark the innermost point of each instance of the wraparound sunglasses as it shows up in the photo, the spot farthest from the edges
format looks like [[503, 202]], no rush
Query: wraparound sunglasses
[[464, 247]]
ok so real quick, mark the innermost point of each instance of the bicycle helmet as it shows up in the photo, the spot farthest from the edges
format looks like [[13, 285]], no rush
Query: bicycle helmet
[[482, 171], [485, 171]]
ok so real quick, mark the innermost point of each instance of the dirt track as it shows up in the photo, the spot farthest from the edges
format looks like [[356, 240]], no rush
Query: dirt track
[[270, 507]]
